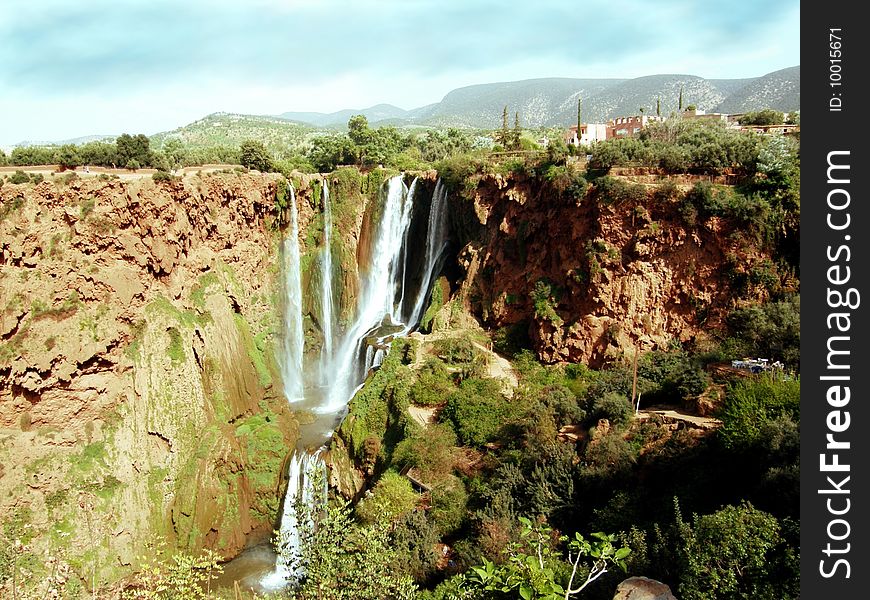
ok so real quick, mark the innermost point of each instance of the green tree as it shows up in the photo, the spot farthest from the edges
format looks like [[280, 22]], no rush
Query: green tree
[[68, 157], [175, 152], [253, 155], [731, 554], [579, 115], [3, 159], [766, 116], [133, 149], [503, 136], [533, 569], [517, 133], [344, 560], [680, 108]]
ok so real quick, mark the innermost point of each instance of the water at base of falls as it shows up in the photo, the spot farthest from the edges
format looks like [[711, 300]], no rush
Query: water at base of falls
[[346, 357]]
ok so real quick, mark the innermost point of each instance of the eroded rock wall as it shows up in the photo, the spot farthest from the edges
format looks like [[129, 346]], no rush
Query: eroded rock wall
[[139, 395], [590, 278]]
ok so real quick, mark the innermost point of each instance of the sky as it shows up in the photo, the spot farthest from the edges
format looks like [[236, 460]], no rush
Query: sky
[[70, 69]]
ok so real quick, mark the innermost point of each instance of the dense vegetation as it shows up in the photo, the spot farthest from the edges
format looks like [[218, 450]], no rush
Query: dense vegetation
[[558, 487]]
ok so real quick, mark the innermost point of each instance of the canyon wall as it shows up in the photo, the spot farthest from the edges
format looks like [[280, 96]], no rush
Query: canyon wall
[[589, 274]]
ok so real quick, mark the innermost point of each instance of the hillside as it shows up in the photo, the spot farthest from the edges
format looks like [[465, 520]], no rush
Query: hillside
[[553, 101], [780, 90], [229, 129]]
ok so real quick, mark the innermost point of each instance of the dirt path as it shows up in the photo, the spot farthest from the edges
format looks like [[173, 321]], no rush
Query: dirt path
[[424, 415], [669, 413], [498, 367]]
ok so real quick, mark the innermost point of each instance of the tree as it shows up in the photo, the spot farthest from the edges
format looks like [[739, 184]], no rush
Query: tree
[[731, 554], [175, 152], [681, 100], [343, 560], [532, 569], [763, 117], [253, 155], [360, 135], [2, 158], [517, 133], [131, 149], [503, 136], [658, 107], [579, 115], [68, 157]]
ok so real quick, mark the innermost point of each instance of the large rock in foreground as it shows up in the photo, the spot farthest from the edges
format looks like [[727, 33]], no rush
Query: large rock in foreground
[[643, 588]]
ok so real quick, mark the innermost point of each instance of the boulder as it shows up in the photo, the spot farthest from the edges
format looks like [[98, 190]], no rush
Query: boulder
[[643, 588]]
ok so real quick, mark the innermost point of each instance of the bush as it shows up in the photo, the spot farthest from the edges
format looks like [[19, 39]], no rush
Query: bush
[[433, 383], [455, 350], [477, 411], [614, 407], [160, 176], [733, 554], [19, 177], [431, 451], [132, 164], [391, 498], [752, 403]]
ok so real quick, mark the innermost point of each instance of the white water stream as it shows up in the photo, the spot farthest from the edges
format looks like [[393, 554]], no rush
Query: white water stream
[[347, 356]]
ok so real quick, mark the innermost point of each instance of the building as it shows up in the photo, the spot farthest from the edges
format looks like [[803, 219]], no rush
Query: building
[[697, 114], [622, 127], [589, 133]]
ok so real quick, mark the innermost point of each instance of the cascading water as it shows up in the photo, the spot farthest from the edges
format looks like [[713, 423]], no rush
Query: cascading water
[[326, 302], [345, 359], [294, 340]]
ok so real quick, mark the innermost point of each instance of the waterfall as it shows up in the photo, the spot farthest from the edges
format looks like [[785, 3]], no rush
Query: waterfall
[[294, 339], [436, 243], [326, 301], [306, 489], [346, 358]]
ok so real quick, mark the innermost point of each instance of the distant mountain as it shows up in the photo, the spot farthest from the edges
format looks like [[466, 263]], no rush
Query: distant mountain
[[552, 102], [780, 90], [379, 112], [76, 141]]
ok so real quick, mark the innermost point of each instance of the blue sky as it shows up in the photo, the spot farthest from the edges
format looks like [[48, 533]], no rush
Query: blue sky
[[107, 66]]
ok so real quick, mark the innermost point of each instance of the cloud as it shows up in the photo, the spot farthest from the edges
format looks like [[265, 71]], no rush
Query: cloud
[[218, 53]]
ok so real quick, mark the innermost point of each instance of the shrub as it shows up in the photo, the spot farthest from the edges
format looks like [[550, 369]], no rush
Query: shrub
[[433, 384], [161, 176], [19, 177], [430, 451], [751, 403], [614, 407], [133, 164], [391, 498], [455, 350], [476, 411]]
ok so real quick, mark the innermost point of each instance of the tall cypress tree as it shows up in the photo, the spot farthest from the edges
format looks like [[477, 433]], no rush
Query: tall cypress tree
[[517, 133], [681, 98], [658, 107], [505, 134]]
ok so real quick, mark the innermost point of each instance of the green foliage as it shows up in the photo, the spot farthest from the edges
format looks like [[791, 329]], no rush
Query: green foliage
[[68, 157], [476, 410], [19, 177], [609, 191], [457, 171], [414, 539], [344, 560], [766, 116], [253, 155], [430, 451], [434, 383], [751, 403], [771, 330], [163, 177], [730, 554], [534, 570], [186, 577], [544, 298], [391, 499], [133, 151]]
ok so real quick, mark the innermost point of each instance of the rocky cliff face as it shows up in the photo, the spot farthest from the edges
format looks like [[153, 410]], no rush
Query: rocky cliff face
[[592, 275], [138, 389]]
